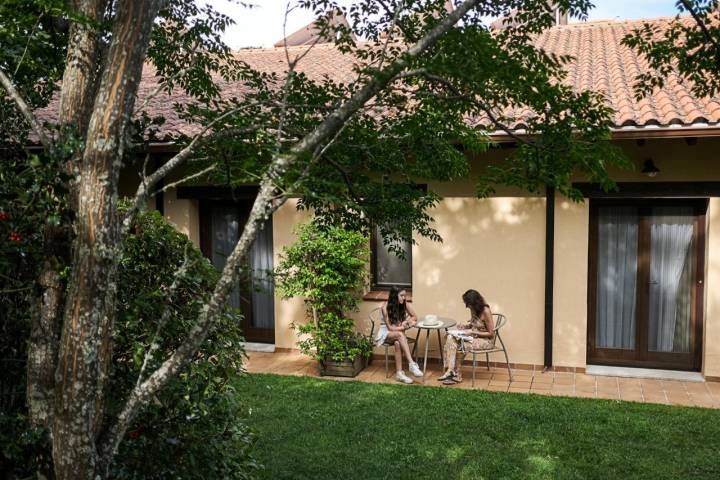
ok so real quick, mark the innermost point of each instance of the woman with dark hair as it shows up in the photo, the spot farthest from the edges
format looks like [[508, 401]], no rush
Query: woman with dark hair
[[477, 334], [399, 316]]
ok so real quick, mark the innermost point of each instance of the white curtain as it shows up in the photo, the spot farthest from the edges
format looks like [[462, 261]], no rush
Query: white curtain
[[671, 236], [261, 262], [616, 277]]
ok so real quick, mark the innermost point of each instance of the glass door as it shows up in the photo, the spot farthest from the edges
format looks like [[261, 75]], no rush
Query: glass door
[[253, 295], [645, 291]]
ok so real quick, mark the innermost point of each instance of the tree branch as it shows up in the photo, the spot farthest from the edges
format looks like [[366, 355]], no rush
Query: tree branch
[[708, 35], [25, 110], [148, 182], [186, 179], [262, 208]]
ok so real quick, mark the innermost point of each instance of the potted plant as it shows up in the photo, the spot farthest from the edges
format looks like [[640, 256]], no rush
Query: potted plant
[[327, 266]]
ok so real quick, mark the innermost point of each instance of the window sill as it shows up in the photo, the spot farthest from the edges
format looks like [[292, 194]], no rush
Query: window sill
[[382, 296]]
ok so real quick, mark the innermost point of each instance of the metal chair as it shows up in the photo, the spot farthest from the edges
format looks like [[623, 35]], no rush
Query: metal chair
[[500, 321], [376, 317]]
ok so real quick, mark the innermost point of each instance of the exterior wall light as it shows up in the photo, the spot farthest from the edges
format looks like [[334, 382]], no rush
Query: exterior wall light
[[649, 169]]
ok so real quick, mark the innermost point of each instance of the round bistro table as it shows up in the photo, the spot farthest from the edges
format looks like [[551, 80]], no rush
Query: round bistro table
[[443, 324]]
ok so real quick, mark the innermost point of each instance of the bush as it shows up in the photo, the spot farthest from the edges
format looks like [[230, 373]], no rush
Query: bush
[[327, 266], [193, 428]]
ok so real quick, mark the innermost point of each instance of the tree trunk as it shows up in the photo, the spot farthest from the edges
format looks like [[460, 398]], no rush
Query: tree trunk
[[79, 84], [42, 348], [85, 346], [80, 76]]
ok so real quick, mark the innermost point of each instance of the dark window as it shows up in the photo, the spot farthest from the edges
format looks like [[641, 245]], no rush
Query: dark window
[[388, 269]]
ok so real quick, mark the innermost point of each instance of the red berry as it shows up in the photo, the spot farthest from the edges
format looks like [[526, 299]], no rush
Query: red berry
[[4, 216], [15, 237]]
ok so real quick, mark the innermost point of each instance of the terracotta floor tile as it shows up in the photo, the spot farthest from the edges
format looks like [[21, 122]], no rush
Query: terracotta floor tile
[[478, 374], [655, 396], [607, 385], [519, 390], [714, 387], [669, 384], [541, 386], [544, 378], [500, 383], [608, 391], [479, 382], [496, 388], [497, 379], [680, 401], [585, 388], [585, 381], [515, 384], [608, 395], [704, 401], [649, 384], [564, 379], [696, 388]]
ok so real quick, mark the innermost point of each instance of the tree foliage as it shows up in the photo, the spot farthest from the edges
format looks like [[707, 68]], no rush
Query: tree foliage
[[687, 47], [193, 429]]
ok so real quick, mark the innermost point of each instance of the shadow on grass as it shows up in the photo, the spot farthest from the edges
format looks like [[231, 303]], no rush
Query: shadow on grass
[[312, 428]]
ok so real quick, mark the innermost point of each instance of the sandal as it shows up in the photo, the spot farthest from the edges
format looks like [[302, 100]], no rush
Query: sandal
[[452, 381], [446, 376]]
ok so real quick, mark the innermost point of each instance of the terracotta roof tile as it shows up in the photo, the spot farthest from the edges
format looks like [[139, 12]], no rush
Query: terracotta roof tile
[[600, 63]]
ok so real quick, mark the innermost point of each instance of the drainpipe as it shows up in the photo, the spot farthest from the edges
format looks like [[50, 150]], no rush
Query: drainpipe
[[549, 264]]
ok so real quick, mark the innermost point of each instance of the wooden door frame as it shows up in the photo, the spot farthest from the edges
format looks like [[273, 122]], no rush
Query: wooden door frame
[[620, 357], [243, 206]]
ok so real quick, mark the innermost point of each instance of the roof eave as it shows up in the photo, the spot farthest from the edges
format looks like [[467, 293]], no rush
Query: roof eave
[[629, 133]]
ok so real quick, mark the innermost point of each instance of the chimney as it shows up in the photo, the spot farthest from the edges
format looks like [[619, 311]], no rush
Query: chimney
[[310, 33]]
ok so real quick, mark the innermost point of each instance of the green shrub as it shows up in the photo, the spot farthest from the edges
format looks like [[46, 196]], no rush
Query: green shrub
[[193, 428], [327, 266]]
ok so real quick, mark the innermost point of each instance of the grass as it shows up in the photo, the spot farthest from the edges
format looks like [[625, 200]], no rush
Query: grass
[[321, 429]]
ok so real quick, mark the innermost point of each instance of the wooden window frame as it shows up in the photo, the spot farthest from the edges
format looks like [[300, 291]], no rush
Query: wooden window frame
[[374, 287]]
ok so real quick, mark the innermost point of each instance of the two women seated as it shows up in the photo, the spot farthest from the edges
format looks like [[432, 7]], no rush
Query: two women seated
[[399, 316]]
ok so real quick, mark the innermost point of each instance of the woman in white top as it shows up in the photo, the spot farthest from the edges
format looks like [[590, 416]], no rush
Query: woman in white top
[[398, 316]]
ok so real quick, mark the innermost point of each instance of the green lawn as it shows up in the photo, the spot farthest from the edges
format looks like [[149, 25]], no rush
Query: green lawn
[[311, 428]]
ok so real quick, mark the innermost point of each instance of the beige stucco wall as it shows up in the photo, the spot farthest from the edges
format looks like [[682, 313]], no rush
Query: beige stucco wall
[[184, 214], [570, 283], [293, 310], [711, 340], [495, 246]]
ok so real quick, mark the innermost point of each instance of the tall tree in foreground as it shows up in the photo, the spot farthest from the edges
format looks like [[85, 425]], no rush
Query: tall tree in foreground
[[351, 151]]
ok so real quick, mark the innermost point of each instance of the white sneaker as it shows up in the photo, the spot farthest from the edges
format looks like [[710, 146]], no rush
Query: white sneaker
[[415, 370], [401, 377]]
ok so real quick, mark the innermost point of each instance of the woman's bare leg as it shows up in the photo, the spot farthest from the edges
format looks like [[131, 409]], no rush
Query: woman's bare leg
[[450, 355], [406, 348], [396, 337], [398, 356]]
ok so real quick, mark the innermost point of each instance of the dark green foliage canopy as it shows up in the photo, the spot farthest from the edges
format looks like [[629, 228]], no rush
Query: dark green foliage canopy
[[689, 47]]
